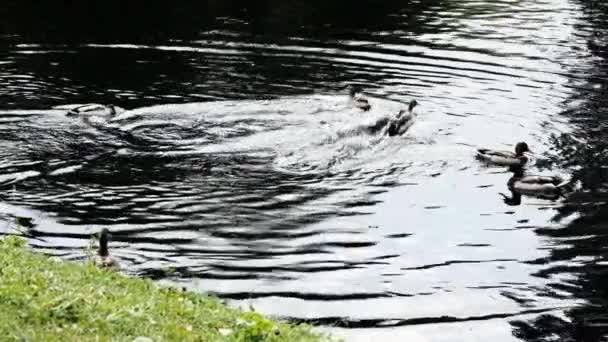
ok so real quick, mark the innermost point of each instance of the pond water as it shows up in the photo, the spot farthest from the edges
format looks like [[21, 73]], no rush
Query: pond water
[[239, 168]]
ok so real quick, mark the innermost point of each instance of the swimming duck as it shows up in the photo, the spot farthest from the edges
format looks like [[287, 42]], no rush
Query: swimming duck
[[549, 187], [104, 259], [91, 109], [403, 121], [358, 100], [505, 158]]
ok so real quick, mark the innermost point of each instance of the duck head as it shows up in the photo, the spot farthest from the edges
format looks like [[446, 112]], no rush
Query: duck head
[[413, 104], [352, 90], [410, 108], [520, 148], [103, 242]]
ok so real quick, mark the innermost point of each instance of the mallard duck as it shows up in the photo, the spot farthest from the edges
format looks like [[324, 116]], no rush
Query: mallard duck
[[403, 121], [358, 100], [91, 109], [104, 259], [550, 187], [505, 158]]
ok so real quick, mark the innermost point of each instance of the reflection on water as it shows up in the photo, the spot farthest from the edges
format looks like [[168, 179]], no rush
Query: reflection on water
[[240, 169]]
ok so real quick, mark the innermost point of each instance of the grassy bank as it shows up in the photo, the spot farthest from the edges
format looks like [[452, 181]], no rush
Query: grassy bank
[[46, 300]]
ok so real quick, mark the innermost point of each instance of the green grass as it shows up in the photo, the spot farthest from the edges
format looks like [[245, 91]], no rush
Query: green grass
[[42, 299]]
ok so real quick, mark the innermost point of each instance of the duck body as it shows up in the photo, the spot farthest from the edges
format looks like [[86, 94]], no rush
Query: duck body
[[91, 109], [393, 126], [357, 100], [536, 184], [550, 187], [107, 262], [504, 158], [361, 103], [104, 259], [403, 121]]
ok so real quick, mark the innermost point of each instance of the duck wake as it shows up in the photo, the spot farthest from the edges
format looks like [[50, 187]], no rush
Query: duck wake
[[301, 133]]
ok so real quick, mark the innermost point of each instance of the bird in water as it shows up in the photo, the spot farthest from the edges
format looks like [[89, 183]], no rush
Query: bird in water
[[505, 158], [397, 125], [403, 121], [104, 259], [357, 99], [547, 187], [91, 109]]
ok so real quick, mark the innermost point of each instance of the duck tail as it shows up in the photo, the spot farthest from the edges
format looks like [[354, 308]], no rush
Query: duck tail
[[566, 187], [103, 243], [481, 155]]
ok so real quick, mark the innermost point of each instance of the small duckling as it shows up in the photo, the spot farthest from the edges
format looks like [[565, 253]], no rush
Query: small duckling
[[403, 121], [358, 100], [547, 187], [104, 259], [505, 158]]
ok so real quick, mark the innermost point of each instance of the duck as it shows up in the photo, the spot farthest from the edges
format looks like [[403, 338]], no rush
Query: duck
[[358, 100], [548, 187], [91, 109], [403, 120], [505, 158], [104, 259]]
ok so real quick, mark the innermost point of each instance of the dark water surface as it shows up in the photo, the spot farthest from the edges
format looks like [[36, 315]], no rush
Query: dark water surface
[[253, 179]]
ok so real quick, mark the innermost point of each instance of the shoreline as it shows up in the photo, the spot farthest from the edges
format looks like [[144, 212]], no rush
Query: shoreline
[[42, 298]]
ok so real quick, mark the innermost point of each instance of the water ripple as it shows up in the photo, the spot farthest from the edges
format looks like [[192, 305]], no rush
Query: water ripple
[[240, 168]]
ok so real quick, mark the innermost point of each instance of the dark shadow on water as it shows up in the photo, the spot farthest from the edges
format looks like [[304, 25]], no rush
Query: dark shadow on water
[[145, 22], [582, 256], [199, 63]]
